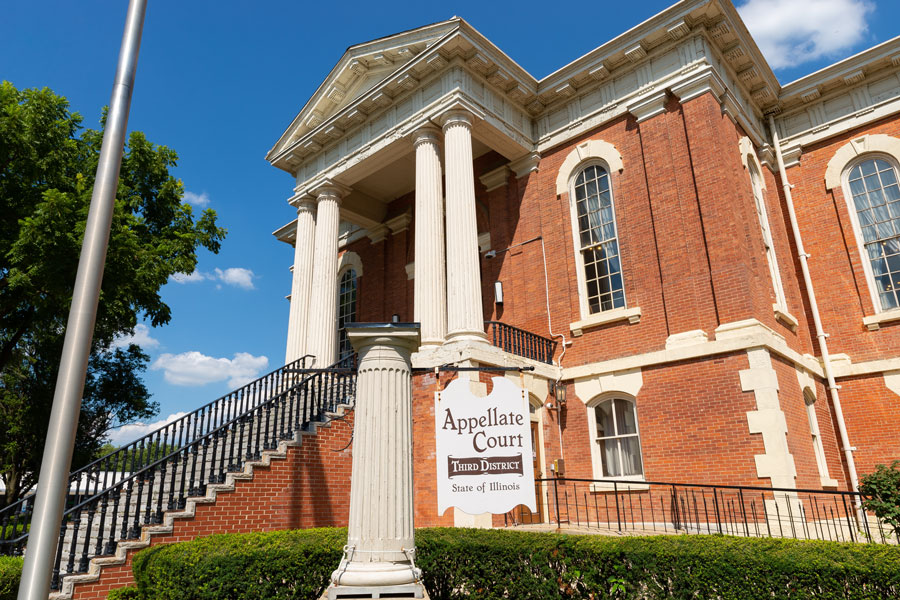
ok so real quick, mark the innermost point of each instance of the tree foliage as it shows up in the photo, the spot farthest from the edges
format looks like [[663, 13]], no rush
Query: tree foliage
[[47, 166], [881, 492]]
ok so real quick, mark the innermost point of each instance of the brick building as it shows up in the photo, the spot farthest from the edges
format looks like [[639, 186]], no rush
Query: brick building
[[706, 263], [630, 208]]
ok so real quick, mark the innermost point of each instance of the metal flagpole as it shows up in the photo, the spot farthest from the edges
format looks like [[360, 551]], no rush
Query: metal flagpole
[[53, 481]]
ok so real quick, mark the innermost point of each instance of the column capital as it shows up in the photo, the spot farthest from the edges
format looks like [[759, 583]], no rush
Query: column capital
[[330, 190], [302, 202], [427, 133], [403, 336], [457, 116]]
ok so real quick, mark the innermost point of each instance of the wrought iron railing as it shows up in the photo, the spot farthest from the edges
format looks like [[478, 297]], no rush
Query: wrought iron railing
[[120, 493], [651, 506], [520, 342]]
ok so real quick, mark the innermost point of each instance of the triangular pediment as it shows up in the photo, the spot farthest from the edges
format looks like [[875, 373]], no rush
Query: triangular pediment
[[362, 68]]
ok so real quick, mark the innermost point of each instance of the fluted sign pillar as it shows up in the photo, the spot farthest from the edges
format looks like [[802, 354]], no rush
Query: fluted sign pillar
[[380, 538]]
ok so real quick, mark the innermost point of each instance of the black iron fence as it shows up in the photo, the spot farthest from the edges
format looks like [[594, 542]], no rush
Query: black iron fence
[[520, 342], [650, 506], [118, 494]]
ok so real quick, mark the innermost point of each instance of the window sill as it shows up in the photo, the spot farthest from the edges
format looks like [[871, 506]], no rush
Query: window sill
[[633, 315], [828, 482], [608, 486], [782, 314], [874, 322]]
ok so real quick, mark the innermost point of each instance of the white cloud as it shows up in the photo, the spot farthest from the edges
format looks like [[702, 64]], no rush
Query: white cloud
[[141, 337], [192, 278], [128, 433], [196, 199], [791, 33], [242, 278], [234, 276], [193, 368]]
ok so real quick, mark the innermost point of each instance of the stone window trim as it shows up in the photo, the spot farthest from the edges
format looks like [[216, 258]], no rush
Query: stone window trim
[[348, 262], [596, 454], [586, 154], [758, 187], [809, 398], [848, 156]]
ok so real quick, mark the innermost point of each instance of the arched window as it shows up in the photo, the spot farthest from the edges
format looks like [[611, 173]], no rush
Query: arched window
[[760, 203], [872, 186], [617, 443], [346, 311], [809, 399], [597, 239]]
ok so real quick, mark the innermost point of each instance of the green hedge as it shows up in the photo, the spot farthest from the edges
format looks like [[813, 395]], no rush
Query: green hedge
[[277, 565], [10, 574], [492, 564]]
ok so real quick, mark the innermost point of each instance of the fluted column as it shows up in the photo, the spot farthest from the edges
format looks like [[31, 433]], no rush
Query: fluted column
[[321, 337], [304, 245], [380, 537], [464, 314], [429, 298]]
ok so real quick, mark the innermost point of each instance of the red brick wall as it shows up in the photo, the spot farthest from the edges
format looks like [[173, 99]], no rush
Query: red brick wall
[[836, 266], [308, 488]]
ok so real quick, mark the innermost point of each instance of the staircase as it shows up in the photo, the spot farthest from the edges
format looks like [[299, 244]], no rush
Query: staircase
[[142, 488]]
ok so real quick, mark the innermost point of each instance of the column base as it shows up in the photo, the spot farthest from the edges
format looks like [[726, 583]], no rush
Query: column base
[[409, 590], [466, 335], [375, 574]]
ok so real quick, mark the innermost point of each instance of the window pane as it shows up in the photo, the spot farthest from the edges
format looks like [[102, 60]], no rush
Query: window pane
[[856, 187], [609, 449], [631, 456], [625, 417], [888, 176], [868, 167], [603, 415], [346, 311]]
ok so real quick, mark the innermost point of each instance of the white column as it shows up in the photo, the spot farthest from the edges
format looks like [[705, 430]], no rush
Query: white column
[[321, 337], [429, 298], [464, 314], [304, 245], [380, 533]]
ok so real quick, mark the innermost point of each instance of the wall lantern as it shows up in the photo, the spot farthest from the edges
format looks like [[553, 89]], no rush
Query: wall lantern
[[559, 390]]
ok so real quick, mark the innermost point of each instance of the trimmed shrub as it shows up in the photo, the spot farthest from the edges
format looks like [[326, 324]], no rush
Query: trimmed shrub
[[125, 593], [485, 564], [277, 565], [10, 575], [493, 564]]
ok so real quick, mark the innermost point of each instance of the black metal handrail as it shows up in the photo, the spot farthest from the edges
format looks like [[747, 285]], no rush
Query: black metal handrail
[[134, 455], [521, 342], [215, 443], [747, 511]]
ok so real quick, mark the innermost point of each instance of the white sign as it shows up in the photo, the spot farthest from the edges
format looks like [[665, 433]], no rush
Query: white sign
[[484, 461]]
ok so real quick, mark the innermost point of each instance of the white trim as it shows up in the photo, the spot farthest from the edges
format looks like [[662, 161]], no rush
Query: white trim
[[861, 149], [755, 173], [876, 142], [349, 260], [808, 393], [633, 315], [596, 149], [874, 322], [604, 154], [596, 456]]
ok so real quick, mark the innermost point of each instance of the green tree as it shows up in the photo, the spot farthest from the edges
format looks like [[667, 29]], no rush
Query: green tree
[[881, 494], [47, 166]]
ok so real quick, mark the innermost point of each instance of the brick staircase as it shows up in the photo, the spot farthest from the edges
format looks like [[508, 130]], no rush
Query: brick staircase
[[272, 455]]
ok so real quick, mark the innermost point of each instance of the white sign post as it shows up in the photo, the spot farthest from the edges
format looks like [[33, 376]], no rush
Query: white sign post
[[484, 461]]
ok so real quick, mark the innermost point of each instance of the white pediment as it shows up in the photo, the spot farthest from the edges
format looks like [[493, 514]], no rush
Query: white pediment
[[362, 68]]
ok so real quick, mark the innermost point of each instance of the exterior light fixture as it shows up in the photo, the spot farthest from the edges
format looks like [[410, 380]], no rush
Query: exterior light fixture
[[559, 390], [395, 318]]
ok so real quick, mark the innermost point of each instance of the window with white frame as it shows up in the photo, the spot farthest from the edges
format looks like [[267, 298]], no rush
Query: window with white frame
[[346, 311], [597, 238], [760, 202], [810, 400], [617, 443], [872, 186]]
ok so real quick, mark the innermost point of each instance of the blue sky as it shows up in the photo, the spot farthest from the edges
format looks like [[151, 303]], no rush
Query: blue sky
[[219, 82]]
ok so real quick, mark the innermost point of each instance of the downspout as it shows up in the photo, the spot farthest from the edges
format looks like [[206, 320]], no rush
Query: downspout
[[814, 309]]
